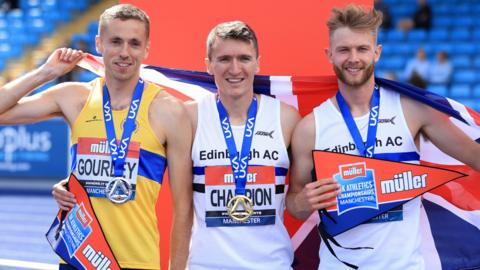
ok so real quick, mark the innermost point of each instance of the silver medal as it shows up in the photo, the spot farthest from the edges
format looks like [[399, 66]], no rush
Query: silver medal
[[118, 190]]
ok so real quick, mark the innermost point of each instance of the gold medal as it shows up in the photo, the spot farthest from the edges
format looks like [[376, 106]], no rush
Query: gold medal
[[118, 190], [240, 208]]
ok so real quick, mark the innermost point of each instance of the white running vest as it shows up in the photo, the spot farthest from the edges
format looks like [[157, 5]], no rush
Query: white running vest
[[262, 241], [395, 235]]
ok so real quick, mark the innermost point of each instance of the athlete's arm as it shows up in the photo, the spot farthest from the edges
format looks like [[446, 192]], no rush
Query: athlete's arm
[[305, 196], [442, 132], [15, 108], [171, 120]]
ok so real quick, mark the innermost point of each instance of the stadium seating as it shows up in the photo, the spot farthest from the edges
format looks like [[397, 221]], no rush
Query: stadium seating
[[22, 28], [453, 31]]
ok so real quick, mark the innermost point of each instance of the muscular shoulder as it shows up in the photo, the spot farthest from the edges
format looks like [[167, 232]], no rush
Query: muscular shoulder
[[167, 114], [418, 114]]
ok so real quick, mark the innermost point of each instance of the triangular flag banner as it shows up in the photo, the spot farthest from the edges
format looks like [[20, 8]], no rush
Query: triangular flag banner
[[77, 236], [370, 187]]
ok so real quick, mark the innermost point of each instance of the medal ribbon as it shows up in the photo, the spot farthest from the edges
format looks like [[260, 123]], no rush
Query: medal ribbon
[[366, 149], [238, 162], [118, 152]]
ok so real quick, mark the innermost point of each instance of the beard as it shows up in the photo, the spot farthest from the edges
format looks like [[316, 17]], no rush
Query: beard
[[342, 75]]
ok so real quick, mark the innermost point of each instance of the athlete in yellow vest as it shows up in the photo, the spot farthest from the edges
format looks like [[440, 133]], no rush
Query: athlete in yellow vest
[[120, 101]]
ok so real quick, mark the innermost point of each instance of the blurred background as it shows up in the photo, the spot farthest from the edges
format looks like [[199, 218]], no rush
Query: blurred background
[[432, 44]]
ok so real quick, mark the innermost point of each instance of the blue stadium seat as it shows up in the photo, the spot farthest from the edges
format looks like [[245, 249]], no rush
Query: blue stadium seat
[[465, 76], [461, 8], [461, 61], [464, 48], [460, 91], [476, 91], [403, 10], [40, 27], [464, 22], [395, 35], [476, 62], [394, 63], [438, 89], [438, 34], [381, 36], [407, 49], [460, 34], [14, 15], [442, 22], [440, 9], [92, 28], [9, 51], [444, 46], [476, 35], [416, 35]]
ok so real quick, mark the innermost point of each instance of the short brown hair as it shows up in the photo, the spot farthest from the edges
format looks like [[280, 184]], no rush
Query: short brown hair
[[124, 12], [237, 30], [356, 18]]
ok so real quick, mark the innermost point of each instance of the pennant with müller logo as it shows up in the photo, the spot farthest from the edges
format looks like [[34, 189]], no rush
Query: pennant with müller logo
[[77, 237], [371, 187]]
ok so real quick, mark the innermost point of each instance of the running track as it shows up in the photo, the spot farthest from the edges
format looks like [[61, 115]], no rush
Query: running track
[[25, 216]]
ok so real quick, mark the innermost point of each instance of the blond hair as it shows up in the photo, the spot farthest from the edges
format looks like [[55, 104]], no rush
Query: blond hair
[[356, 18]]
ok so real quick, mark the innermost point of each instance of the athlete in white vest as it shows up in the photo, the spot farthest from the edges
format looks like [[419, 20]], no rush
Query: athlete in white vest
[[258, 128], [394, 236]]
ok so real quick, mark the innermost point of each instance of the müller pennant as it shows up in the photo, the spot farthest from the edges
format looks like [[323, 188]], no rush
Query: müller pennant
[[371, 187]]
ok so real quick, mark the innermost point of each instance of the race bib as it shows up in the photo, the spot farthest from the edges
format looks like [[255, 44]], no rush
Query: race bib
[[94, 165], [220, 188]]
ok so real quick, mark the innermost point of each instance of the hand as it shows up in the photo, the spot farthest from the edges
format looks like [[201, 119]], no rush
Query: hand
[[62, 61], [65, 199], [318, 195]]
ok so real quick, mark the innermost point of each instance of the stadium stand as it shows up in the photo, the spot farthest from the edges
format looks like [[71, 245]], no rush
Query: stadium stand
[[453, 31]]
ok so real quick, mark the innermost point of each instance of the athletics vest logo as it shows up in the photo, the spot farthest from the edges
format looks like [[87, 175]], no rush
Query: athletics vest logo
[[357, 185], [372, 187], [265, 133], [220, 188], [94, 165], [387, 120]]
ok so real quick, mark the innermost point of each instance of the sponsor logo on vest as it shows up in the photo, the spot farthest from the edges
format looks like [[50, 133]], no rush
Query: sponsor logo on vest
[[265, 133], [100, 148], [229, 178], [93, 119], [96, 258], [351, 171], [386, 120], [403, 181]]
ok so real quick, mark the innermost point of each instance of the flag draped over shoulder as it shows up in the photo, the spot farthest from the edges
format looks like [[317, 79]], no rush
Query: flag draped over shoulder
[[451, 215]]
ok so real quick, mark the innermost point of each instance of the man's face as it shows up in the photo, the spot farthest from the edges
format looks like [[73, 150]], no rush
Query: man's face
[[233, 64], [123, 45], [353, 55]]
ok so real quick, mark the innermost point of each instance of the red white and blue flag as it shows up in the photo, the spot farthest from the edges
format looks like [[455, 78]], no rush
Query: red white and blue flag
[[451, 215]]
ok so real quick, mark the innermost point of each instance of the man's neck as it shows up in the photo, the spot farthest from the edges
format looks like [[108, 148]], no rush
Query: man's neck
[[358, 98], [236, 107], [120, 92]]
